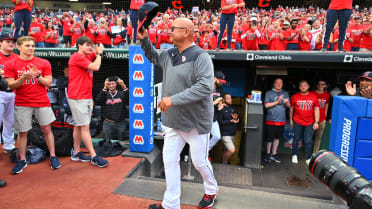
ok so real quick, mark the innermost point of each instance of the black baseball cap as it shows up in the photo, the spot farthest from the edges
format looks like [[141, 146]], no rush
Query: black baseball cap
[[220, 76], [367, 75], [146, 13], [113, 78], [7, 36]]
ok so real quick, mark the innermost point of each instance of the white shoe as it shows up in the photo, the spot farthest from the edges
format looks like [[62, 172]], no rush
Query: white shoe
[[294, 159], [308, 161]]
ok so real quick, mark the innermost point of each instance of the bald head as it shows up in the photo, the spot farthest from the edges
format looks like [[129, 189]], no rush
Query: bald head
[[184, 22]]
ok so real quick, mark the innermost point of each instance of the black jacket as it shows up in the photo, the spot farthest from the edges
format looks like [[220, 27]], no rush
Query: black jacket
[[225, 116], [218, 92], [114, 107], [3, 84]]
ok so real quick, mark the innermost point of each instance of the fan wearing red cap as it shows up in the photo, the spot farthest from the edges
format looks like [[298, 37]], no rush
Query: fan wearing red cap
[[365, 86]]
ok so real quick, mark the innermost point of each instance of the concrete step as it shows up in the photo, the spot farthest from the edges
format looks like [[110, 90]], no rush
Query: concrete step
[[228, 198]]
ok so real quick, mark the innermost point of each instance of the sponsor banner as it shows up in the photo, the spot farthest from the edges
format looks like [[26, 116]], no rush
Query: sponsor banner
[[345, 113], [141, 101], [66, 53], [250, 56]]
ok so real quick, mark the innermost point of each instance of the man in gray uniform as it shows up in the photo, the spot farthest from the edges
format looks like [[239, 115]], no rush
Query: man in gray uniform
[[187, 109], [276, 100]]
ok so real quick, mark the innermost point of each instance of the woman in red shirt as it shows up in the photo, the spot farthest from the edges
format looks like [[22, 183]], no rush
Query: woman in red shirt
[[206, 42], [22, 13], [103, 34], [229, 9], [338, 10], [77, 30], [276, 38], [119, 36], [51, 36]]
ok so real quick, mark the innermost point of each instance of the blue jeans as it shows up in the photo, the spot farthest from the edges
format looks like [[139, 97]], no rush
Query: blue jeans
[[292, 46], [306, 133], [39, 45], [354, 49], [331, 47], [121, 46], [50, 45], [343, 17], [238, 46], [19, 17], [228, 19], [166, 46], [115, 131], [134, 19]]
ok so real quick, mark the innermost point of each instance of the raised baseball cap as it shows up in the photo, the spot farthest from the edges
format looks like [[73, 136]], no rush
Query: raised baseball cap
[[367, 74], [220, 76], [146, 13], [7, 36]]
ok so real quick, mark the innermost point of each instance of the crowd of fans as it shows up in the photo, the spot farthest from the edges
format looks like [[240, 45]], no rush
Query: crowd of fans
[[254, 29]]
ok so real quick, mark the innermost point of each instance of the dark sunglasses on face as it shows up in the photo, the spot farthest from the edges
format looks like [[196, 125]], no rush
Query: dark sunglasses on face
[[173, 27]]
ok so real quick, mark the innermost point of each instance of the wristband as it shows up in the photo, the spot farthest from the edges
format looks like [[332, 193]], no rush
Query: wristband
[[100, 54], [38, 76]]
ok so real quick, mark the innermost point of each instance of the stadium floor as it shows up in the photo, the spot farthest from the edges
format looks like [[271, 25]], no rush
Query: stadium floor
[[74, 185]]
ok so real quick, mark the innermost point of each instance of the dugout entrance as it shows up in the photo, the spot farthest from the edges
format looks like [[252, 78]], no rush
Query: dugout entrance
[[245, 71]]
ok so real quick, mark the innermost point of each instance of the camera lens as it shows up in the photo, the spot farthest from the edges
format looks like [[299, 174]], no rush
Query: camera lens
[[342, 179]]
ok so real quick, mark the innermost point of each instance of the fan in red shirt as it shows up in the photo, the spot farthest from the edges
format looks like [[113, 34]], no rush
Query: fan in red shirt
[[348, 39], [236, 35], [206, 42], [80, 100], [366, 43], [51, 36], [103, 33], [292, 36], [263, 41], [305, 38], [22, 13], [304, 118], [37, 32], [276, 38], [357, 31], [8, 21], [152, 33], [250, 36], [30, 77], [323, 99], [67, 23], [164, 38], [165, 22], [77, 30], [90, 30]]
